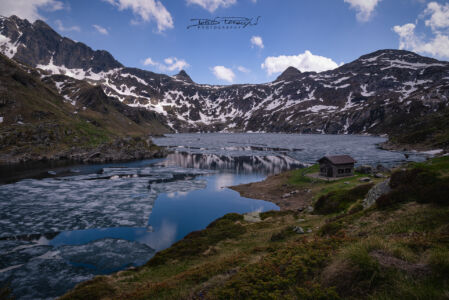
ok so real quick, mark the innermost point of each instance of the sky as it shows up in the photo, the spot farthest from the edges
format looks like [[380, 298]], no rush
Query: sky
[[311, 35]]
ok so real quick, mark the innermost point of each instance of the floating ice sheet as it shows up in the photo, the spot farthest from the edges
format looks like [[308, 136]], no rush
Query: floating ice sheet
[[115, 198]]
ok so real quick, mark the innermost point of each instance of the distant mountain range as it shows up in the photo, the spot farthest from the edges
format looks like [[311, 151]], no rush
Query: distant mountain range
[[375, 94]]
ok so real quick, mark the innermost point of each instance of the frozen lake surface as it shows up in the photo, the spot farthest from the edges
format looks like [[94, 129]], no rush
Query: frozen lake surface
[[69, 224]]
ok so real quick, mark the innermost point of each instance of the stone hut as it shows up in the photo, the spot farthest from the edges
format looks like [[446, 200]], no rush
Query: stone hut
[[337, 166]]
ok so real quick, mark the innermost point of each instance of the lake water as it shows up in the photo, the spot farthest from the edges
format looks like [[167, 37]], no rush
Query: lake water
[[64, 225]]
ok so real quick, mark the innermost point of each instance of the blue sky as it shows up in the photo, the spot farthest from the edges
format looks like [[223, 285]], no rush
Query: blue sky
[[309, 34]]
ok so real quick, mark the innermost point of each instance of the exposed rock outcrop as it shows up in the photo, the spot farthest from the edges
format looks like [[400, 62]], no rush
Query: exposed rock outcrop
[[375, 192]]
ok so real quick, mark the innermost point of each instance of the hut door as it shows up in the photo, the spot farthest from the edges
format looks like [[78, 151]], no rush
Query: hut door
[[330, 172]]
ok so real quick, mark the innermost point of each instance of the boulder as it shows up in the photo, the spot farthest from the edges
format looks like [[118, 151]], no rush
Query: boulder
[[252, 217], [298, 230], [365, 169], [382, 169], [365, 179], [375, 192]]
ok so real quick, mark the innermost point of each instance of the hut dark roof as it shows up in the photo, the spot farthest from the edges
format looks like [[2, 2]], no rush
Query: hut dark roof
[[339, 159]]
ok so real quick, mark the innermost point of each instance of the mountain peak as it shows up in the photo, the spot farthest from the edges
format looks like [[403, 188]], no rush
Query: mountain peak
[[289, 74], [182, 75], [391, 54], [38, 44]]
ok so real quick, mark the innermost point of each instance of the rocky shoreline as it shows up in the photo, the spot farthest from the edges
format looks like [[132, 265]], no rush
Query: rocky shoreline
[[392, 146], [123, 149]]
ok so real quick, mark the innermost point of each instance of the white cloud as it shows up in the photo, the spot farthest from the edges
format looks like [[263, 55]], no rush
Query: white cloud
[[169, 64], [101, 29], [147, 10], [304, 62], [62, 28], [149, 62], [28, 9], [364, 8], [174, 63], [243, 69], [437, 46], [223, 73], [439, 15], [212, 5], [257, 41]]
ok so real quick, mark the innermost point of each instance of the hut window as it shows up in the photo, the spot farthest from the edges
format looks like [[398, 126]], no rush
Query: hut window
[[341, 171], [347, 170]]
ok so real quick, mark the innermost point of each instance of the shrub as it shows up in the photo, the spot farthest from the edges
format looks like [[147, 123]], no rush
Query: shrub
[[337, 201], [416, 176], [418, 184], [436, 193], [283, 234], [331, 228]]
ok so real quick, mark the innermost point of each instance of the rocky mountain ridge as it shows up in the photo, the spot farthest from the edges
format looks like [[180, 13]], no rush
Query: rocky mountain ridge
[[367, 95]]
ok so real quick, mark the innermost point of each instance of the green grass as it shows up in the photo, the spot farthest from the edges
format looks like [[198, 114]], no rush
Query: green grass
[[438, 164], [91, 135], [298, 177]]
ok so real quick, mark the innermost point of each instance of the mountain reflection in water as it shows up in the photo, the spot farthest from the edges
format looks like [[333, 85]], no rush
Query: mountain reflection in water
[[249, 164]]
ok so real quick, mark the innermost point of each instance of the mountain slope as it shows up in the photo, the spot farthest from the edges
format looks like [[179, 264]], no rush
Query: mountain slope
[[368, 95], [39, 123]]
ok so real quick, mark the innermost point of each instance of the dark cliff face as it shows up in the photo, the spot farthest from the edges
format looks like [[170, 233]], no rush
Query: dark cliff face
[[369, 95], [290, 73], [38, 44], [182, 75]]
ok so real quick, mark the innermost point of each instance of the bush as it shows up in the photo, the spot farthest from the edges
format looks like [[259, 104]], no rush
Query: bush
[[340, 200], [436, 193], [331, 228], [415, 176], [418, 184], [283, 234]]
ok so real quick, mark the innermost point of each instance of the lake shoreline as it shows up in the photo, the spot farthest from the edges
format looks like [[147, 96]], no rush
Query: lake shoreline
[[122, 149], [274, 189]]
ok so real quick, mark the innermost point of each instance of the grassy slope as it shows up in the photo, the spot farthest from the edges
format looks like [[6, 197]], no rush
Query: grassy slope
[[425, 132], [50, 124], [400, 251]]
